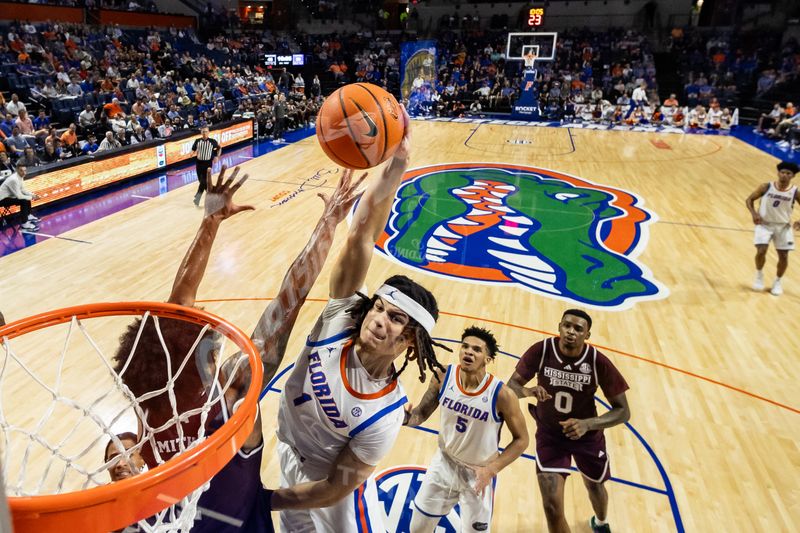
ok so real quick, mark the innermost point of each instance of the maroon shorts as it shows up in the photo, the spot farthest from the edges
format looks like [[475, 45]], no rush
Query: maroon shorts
[[555, 454]]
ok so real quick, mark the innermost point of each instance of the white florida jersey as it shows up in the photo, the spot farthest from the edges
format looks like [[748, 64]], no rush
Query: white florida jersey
[[470, 423], [330, 400], [776, 205]]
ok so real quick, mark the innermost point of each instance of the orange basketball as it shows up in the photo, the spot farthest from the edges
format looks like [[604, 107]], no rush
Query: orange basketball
[[360, 125]]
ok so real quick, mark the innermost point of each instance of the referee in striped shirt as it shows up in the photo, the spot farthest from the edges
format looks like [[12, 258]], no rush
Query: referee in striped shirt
[[207, 149]]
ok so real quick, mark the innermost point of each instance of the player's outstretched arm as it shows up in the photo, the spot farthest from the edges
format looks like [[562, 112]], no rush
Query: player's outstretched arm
[[517, 385], [508, 408], [347, 473], [218, 207], [415, 416], [750, 202], [368, 222], [620, 413], [276, 322]]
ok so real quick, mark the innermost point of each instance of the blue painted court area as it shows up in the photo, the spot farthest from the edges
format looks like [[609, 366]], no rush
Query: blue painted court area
[[748, 135], [65, 216]]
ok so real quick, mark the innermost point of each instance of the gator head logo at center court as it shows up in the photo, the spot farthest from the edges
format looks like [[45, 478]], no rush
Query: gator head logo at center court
[[545, 231]]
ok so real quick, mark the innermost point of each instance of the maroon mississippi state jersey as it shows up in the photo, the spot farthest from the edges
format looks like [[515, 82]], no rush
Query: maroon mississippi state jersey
[[168, 441], [572, 383]]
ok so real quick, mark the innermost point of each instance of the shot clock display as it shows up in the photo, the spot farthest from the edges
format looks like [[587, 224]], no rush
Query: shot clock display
[[535, 17]]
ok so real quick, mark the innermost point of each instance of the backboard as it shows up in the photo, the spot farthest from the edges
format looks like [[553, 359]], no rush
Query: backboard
[[543, 44]]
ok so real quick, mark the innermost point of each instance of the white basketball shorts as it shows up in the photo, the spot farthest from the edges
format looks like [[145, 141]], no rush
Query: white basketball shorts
[[447, 483], [359, 512], [781, 234]]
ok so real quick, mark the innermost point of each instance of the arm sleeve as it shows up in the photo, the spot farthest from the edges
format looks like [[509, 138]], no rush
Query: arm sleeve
[[528, 365], [609, 378], [372, 444]]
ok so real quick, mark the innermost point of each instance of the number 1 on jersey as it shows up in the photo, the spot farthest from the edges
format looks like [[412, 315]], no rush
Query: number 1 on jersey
[[563, 402]]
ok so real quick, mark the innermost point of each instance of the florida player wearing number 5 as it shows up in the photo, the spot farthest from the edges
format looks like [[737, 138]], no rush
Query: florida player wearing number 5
[[567, 426], [475, 405]]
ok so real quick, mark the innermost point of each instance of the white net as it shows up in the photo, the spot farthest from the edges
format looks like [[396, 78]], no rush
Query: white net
[[63, 419]]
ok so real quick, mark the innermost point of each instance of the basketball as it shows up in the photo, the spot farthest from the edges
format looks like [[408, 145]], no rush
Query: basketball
[[360, 126]]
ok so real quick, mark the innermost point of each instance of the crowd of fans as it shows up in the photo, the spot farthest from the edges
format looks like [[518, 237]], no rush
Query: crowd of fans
[[98, 90], [781, 124], [77, 89], [590, 68], [721, 65]]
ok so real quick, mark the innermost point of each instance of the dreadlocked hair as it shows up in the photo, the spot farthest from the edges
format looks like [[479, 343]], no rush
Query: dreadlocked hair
[[422, 348]]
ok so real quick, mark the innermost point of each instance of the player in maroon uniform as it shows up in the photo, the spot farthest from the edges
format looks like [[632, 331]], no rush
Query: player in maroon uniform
[[567, 426]]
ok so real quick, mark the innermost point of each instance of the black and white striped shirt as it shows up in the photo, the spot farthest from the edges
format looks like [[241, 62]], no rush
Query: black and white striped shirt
[[206, 148]]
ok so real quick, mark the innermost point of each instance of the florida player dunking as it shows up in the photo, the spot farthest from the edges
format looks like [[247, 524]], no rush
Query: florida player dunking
[[569, 371]]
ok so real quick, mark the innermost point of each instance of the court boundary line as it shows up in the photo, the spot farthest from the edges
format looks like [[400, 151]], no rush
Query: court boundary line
[[39, 234], [542, 332], [485, 150], [703, 226]]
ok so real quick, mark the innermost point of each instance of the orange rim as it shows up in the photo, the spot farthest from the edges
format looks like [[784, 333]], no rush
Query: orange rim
[[119, 504]]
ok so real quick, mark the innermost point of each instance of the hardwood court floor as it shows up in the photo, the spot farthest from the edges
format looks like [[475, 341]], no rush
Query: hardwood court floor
[[712, 365]]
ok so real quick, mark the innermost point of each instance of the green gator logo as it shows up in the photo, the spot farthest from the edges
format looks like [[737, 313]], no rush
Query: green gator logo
[[548, 232]]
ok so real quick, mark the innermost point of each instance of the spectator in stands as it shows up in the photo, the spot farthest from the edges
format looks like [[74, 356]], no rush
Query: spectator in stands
[[16, 143], [91, 145], [7, 126], [42, 122], [69, 140], [714, 120], [74, 89], [25, 125], [726, 120], [672, 101], [109, 143], [140, 135], [165, 130], [122, 138], [769, 120], [15, 106], [87, 120], [13, 193], [698, 118], [114, 109], [6, 165], [52, 151], [29, 158]]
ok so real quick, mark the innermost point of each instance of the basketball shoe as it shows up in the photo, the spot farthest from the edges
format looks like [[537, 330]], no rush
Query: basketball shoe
[[777, 289], [758, 284], [605, 528]]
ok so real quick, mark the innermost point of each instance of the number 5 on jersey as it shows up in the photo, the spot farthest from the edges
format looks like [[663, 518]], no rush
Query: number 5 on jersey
[[461, 424]]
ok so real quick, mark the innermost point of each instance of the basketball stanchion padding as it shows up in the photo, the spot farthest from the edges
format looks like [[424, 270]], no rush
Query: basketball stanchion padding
[[112, 506]]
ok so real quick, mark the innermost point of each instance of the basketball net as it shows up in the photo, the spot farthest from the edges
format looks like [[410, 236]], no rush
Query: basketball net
[[74, 458], [530, 60]]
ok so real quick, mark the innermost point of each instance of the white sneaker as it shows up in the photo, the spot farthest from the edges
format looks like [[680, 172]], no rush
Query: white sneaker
[[32, 218], [28, 225], [777, 290], [758, 284]]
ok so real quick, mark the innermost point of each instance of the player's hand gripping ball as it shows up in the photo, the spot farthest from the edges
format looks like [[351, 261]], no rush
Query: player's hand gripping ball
[[360, 126]]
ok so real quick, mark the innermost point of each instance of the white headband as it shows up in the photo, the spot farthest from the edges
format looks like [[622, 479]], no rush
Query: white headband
[[408, 305]]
